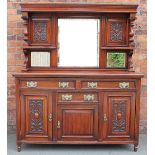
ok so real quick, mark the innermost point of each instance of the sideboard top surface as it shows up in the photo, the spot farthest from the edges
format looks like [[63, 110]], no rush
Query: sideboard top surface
[[98, 74]]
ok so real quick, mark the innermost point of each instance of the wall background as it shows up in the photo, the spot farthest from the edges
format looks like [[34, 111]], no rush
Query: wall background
[[16, 57]]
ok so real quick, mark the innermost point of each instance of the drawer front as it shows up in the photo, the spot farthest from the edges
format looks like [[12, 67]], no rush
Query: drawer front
[[50, 84], [77, 97], [107, 84]]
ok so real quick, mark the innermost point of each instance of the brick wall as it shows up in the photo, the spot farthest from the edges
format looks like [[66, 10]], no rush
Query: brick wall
[[16, 57]]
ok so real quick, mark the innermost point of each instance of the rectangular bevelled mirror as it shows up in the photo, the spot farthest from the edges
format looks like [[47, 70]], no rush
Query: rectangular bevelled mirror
[[78, 41]]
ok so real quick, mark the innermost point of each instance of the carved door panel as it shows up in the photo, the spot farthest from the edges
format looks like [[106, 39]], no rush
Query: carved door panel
[[117, 31], [77, 122], [40, 31], [35, 122], [119, 115]]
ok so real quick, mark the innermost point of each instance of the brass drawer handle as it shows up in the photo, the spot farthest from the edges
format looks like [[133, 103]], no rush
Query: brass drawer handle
[[31, 84], [50, 117], [58, 125], [88, 97], [105, 117], [124, 84], [66, 97], [63, 84], [92, 84]]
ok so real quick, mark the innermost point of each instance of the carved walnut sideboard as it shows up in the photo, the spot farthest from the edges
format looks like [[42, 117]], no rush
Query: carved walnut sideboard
[[67, 105]]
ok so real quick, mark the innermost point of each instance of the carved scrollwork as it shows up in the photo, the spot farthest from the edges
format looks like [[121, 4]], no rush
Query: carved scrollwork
[[130, 62], [25, 18], [131, 34], [26, 64]]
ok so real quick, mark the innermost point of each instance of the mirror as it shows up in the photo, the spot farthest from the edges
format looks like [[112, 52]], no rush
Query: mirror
[[40, 59], [78, 41]]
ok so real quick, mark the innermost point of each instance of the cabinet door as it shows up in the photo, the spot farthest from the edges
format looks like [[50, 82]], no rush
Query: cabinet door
[[119, 115], [117, 31], [34, 114], [77, 122], [40, 31]]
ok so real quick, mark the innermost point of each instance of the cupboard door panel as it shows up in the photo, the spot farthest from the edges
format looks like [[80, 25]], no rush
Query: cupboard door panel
[[35, 109], [117, 32], [77, 122], [41, 31], [120, 113]]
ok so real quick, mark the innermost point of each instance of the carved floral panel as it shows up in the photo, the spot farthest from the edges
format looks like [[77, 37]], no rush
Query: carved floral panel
[[119, 109], [36, 115], [40, 31], [116, 31]]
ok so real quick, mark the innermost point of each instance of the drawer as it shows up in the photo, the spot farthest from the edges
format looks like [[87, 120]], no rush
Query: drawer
[[50, 84], [82, 97], [107, 84]]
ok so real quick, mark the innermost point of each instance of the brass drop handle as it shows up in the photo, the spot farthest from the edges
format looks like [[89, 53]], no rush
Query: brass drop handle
[[66, 97], [50, 117], [92, 84], [58, 124], [105, 117], [88, 97], [31, 84], [63, 84], [124, 85]]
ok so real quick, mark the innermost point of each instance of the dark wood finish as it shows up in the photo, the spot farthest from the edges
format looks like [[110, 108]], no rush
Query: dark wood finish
[[121, 106], [117, 31], [41, 30], [35, 108], [78, 105], [120, 111], [78, 122], [81, 8]]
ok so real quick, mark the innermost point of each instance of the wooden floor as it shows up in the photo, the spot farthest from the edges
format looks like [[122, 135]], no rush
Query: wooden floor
[[76, 149]]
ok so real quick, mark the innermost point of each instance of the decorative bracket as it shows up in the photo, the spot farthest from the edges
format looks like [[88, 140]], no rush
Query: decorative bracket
[[25, 17], [130, 61], [131, 34]]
